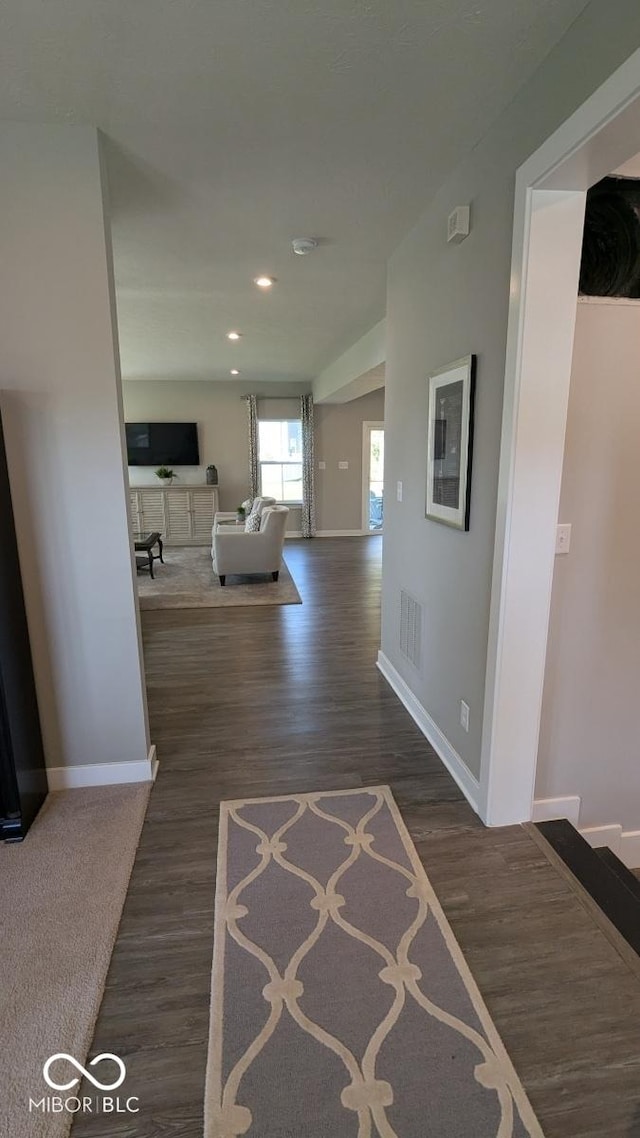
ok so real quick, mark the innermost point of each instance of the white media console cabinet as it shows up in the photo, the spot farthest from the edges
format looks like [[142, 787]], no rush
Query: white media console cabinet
[[183, 515]]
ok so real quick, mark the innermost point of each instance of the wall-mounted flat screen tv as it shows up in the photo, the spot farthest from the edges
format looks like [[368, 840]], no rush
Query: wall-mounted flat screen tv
[[162, 444]]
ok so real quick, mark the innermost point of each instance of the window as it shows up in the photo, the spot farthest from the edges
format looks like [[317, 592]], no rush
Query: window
[[280, 459]]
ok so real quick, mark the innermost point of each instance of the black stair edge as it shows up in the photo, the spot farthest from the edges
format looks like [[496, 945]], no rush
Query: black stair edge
[[626, 876], [601, 882]]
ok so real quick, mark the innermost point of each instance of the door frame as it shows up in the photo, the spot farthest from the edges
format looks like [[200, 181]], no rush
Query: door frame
[[550, 197], [367, 426]]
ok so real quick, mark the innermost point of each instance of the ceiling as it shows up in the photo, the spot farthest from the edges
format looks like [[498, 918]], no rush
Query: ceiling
[[235, 125]]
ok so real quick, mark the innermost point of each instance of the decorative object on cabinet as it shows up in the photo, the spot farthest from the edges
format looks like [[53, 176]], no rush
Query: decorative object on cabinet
[[212, 475], [166, 475]]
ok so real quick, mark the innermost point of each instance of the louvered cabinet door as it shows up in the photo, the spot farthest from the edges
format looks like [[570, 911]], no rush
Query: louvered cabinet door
[[203, 506], [182, 515], [178, 514], [151, 510], [136, 512]]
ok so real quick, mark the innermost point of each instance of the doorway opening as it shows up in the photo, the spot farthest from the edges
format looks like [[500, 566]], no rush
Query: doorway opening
[[372, 477], [550, 198]]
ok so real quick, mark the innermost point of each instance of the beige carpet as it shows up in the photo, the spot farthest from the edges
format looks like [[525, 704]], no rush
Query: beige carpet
[[341, 1002], [61, 896], [187, 581]]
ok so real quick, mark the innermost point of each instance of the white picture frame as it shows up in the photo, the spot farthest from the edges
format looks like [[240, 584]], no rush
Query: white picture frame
[[450, 443]]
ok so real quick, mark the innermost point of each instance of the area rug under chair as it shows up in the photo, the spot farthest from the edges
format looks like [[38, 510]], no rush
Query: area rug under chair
[[187, 581], [341, 1003]]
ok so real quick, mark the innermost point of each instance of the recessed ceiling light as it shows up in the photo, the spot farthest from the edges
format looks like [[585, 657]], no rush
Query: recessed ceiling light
[[233, 335], [234, 371], [263, 282]]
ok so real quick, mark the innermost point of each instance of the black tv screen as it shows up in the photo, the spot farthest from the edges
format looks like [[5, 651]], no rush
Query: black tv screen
[[162, 444]]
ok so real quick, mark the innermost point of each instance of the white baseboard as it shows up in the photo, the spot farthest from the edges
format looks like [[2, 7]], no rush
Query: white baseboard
[[104, 774], [603, 836], [469, 785], [328, 533], [546, 809], [624, 843], [630, 849], [339, 533]]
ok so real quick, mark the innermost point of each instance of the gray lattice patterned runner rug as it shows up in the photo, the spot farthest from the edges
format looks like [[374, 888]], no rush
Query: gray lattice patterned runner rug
[[341, 1002]]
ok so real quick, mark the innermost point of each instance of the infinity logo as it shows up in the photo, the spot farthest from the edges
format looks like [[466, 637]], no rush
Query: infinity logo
[[83, 1071]]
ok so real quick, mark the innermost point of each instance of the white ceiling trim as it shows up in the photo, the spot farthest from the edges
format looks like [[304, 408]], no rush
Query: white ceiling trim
[[364, 357]]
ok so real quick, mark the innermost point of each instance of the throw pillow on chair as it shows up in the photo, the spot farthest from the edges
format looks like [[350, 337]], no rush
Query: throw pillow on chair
[[252, 523]]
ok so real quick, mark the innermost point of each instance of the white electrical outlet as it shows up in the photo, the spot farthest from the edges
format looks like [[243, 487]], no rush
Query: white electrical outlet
[[563, 538], [464, 715], [322, 466], [343, 465], [399, 491]]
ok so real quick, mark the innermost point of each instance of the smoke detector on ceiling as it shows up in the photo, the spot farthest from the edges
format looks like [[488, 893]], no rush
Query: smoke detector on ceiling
[[304, 245]]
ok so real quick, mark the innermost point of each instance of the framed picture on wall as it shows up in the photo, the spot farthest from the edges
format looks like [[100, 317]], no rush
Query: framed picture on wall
[[450, 442]]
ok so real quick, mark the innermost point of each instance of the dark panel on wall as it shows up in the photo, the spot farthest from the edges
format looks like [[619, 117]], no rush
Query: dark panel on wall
[[23, 781], [610, 263]]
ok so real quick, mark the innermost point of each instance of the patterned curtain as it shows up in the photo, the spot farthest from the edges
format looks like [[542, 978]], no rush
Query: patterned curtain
[[308, 494], [252, 417]]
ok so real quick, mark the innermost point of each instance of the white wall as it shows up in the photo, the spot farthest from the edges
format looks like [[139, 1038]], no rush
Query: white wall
[[589, 740], [221, 415], [60, 397], [338, 438], [443, 303]]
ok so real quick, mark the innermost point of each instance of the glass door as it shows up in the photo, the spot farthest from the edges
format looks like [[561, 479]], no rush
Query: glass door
[[373, 478]]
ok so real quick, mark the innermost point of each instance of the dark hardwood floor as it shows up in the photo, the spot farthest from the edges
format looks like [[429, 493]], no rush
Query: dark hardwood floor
[[270, 700]]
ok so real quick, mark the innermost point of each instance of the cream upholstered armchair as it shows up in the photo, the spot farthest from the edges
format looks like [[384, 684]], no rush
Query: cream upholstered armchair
[[254, 509], [234, 551]]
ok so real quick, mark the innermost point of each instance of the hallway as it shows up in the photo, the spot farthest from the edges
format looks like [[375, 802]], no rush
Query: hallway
[[264, 701]]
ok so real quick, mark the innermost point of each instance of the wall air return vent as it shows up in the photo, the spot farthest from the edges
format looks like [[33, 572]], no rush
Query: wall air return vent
[[410, 628]]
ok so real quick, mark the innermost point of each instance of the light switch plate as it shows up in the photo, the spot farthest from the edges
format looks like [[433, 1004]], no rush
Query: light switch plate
[[464, 715], [343, 466], [399, 491], [322, 466], [563, 538]]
